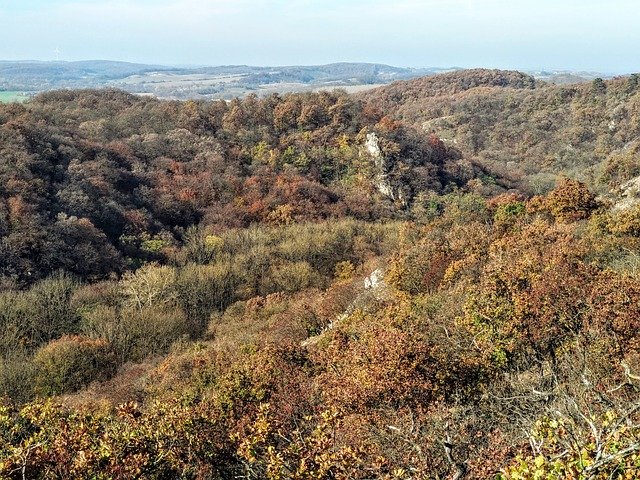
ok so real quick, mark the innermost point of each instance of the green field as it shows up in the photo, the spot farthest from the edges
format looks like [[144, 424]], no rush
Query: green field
[[12, 96]]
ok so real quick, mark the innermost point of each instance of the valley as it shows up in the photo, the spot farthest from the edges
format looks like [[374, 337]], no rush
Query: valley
[[223, 82], [435, 277]]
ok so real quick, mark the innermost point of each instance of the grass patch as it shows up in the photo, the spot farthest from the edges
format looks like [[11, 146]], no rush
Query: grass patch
[[12, 96]]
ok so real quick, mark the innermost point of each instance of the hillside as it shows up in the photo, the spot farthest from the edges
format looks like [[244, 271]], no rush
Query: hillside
[[38, 76], [317, 286], [94, 182], [526, 130], [402, 94]]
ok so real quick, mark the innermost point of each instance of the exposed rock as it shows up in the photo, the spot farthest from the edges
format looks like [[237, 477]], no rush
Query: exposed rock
[[375, 290], [382, 167], [374, 279], [627, 195]]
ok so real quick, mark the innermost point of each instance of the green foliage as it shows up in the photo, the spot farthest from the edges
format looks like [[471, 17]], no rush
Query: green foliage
[[507, 209], [154, 245], [70, 363]]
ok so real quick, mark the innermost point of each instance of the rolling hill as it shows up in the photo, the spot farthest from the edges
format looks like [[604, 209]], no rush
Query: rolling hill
[[399, 284], [196, 82], [527, 130]]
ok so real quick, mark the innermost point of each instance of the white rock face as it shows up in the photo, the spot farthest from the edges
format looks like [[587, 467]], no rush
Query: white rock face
[[628, 194], [372, 146], [373, 280]]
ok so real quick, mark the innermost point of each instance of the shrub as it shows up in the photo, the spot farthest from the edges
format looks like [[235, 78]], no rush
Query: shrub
[[507, 208], [134, 334], [30, 318], [291, 277], [150, 285], [16, 375], [151, 331], [53, 315], [626, 222], [70, 363], [571, 200], [202, 289]]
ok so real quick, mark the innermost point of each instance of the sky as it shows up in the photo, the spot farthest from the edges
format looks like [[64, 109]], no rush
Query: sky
[[593, 35]]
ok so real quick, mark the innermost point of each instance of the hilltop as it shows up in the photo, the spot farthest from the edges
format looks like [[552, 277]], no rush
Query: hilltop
[[523, 129]]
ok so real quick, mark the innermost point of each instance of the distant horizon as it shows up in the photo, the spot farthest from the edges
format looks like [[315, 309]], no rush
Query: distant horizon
[[552, 35], [366, 62]]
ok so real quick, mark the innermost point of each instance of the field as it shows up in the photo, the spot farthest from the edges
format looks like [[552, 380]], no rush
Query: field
[[171, 85], [12, 96]]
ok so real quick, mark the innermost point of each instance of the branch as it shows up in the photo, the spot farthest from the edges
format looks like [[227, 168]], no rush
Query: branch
[[593, 468], [461, 468]]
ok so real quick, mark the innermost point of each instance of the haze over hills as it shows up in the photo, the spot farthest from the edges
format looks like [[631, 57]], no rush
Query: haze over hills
[[26, 78], [197, 82]]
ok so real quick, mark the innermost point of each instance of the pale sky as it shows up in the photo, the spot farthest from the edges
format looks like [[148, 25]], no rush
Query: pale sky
[[598, 35]]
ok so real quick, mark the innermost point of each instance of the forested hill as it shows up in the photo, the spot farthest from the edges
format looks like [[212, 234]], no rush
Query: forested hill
[[319, 287], [398, 95], [94, 182], [529, 131]]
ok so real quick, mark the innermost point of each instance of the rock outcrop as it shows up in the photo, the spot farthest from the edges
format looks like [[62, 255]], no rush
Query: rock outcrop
[[382, 166], [627, 195]]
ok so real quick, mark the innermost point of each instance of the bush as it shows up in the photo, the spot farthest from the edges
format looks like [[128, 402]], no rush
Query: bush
[[202, 289], [53, 315], [30, 318], [291, 277], [16, 374], [151, 331], [626, 222], [571, 200], [135, 334], [70, 363]]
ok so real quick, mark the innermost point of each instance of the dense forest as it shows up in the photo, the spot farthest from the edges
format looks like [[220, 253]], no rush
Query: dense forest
[[417, 282], [525, 130], [95, 182]]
